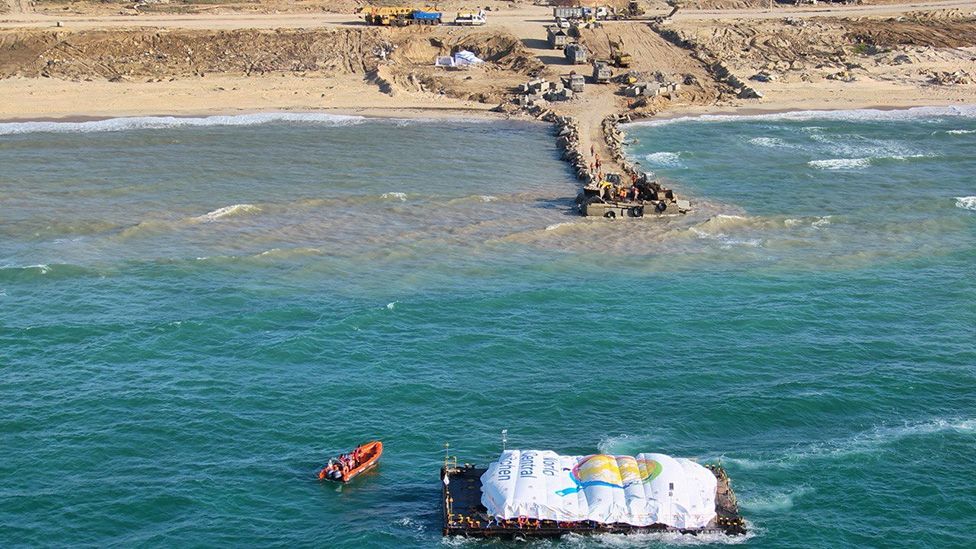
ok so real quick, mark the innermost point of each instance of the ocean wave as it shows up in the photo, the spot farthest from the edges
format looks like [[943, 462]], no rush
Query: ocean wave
[[840, 115], [161, 122], [966, 202], [771, 142], [41, 268], [664, 159], [234, 210], [960, 132], [402, 197], [840, 163]]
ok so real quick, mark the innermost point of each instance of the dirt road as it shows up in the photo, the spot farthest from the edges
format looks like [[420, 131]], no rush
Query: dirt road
[[22, 17]]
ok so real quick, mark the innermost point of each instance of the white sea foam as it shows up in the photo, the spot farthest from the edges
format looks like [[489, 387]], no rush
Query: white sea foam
[[840, 163], [488, 198], [843, 115], [780, 501], [664, 159], [410, 524], [866, 442], [771, 142], [876, 439], [960, 132], [391, 305], [158, 122], [651, 540], [228, 211], [558, 225], [966, 202], [402, 197], [821, 222]]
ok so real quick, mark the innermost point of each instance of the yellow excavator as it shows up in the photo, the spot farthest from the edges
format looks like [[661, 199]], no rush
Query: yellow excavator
[[620, 58]]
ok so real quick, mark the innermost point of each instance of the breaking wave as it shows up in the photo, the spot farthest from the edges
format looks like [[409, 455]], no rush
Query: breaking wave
[[966, 202], [40, 268], [960, 132], [664, 159], [842, 115], [159, 122], [228, 211], [771, 142], [840, 163], [402, 197]]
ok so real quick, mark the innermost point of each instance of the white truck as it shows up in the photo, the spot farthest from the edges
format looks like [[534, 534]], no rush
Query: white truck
[[471, 19]]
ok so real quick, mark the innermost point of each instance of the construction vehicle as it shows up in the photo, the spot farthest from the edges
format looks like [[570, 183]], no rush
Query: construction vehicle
[[567, 13], [557, 37], [634, 9], [471, 19], [601, 72], [575, 82], [420, 17], [384, 16], [620, 58], [401, 17], [575, 53]]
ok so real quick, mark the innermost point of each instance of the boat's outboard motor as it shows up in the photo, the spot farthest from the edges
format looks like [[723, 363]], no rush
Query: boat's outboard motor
[[336, 475]]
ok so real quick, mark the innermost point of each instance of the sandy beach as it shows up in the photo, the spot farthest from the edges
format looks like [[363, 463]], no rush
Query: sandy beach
[[95, 63]]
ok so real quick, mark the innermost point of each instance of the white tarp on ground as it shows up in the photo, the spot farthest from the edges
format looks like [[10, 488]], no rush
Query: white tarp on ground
[[464, 57], [637, 490]]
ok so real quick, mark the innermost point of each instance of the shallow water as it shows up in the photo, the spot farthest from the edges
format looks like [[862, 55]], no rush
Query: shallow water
[[193, 316]]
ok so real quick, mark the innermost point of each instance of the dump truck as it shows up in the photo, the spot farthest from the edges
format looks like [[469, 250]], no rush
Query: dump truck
[[601, 72], [575, 53], [419, 17], [575, 82], [568, 13], [557, 37]]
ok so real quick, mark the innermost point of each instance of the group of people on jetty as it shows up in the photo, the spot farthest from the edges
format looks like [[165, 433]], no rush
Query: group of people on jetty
[[611, 187]]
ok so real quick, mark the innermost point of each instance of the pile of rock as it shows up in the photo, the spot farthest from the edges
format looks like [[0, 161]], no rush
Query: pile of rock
[[540, 90], [567, 130], [615, 139], [951, 78], [652, 89], [843, 76]]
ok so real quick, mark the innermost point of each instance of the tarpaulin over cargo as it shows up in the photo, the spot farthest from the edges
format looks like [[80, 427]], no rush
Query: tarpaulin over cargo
[[637, 490]]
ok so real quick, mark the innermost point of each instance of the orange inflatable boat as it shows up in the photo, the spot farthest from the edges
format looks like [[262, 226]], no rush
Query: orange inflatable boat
[[346, 466]]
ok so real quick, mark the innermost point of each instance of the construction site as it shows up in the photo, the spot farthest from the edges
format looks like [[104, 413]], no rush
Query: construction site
[[583, 66]]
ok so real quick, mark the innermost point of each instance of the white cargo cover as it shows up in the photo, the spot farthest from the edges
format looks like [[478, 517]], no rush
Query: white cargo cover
[[637, 490]]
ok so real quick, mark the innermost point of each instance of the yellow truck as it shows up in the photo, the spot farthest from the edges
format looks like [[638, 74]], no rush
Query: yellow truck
[[385, 16]]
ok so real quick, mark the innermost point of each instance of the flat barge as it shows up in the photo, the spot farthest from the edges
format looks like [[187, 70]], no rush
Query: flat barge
[[465, 515]]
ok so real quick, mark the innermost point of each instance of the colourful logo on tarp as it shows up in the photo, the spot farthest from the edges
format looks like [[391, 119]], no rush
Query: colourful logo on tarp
[[611, 471]]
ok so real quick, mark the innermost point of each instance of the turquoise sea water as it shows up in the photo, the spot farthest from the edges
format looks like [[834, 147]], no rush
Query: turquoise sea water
[[194, 314]]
